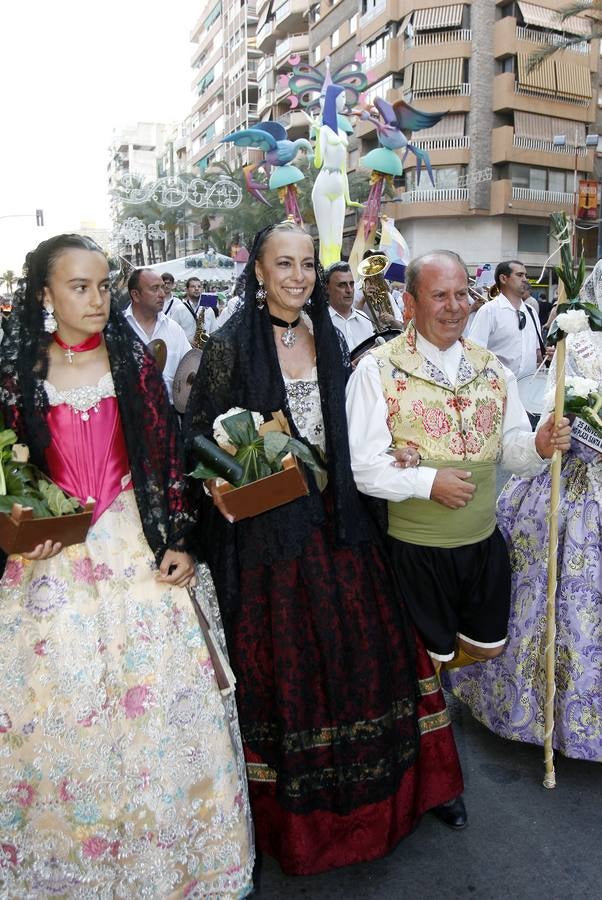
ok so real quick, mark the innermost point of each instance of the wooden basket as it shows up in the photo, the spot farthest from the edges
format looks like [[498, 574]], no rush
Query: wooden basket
[[21, 533], [265, 493]]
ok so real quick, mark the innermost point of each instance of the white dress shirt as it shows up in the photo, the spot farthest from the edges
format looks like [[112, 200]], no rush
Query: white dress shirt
[[229, 309], [175, 340], [170, 305], [495, 326], [356, 327], [370, 438], [186, 315]]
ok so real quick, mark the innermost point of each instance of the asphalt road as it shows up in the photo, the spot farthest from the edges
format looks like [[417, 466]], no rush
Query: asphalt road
[[523, 842]]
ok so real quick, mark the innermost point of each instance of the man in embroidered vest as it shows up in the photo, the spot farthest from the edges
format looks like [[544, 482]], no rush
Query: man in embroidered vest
[[456, 405]]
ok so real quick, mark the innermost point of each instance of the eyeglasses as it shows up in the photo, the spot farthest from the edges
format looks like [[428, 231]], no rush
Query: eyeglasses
[[522, 319]]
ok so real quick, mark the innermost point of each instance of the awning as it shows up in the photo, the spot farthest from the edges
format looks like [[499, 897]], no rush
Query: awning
[[407, 78], [438, 17], [450, 126], [543, 128], [265, 15], [404, 24], [438, 73], [542, 78], [573, 81], [542, 17]]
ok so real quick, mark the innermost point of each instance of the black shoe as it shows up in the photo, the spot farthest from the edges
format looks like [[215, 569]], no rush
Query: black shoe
[[452, 813]]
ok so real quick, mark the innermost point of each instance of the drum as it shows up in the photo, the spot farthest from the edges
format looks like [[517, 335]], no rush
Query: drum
[[375, 340], [532, 391]]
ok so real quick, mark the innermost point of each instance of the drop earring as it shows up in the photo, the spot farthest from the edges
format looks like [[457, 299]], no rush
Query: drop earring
[[50, 323], [260, 296]]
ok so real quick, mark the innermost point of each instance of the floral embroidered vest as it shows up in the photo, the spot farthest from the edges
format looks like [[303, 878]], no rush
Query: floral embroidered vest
[[441, 421], [450, 427]]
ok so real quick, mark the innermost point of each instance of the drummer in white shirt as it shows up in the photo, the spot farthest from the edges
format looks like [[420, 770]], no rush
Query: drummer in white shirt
[[506, 325], [352, 323]]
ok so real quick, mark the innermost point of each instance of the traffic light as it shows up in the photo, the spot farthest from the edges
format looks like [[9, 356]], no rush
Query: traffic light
[[39, 216]]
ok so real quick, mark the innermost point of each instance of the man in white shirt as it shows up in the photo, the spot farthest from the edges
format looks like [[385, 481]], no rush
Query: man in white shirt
[[506, 325], [170, 302], [352, 323], [145, 315], [191, 309], [458, 407]]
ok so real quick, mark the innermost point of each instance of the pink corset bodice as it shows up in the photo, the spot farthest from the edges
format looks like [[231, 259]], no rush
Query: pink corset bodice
[[87, 455]]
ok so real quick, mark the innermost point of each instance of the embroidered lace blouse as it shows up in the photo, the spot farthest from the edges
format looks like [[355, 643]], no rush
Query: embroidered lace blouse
[[87, 455], [306, 408]]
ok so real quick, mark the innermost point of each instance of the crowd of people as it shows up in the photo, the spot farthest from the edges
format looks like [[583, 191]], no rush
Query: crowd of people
[[129, 766]]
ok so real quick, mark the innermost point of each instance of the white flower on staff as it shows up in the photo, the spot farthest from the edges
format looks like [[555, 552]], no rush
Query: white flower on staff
[[219, 432], [581, 387], [573, 322]]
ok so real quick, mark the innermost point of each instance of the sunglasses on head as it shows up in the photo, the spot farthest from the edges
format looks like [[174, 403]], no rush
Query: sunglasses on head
[[522, 319]]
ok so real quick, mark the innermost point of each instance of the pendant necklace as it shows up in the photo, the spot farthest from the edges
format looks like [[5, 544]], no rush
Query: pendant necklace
[[288, 337], [90, 343]]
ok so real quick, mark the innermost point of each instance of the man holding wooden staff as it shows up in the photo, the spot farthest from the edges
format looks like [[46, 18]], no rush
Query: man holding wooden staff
[[458, 406]]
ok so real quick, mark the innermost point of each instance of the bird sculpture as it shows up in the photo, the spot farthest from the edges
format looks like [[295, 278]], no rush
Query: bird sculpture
[[390, 123], [270, 137]]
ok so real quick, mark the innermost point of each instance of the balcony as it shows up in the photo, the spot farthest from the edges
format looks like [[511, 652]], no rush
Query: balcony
[[265, 38], [429, 203], [434, 38], [294, 43], [435, 195], [443, 143], [506, 146], [382, 63], [509, 96], [506, 199], [294, 121], [291, 16], [550, 38], [458, 90], [265, 66]]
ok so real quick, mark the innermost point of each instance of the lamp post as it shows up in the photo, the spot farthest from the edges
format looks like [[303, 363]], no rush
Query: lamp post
[[561, 140]]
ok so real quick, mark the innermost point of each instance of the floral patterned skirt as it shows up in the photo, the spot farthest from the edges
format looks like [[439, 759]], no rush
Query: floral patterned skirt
[[121, 770], [507, 694]]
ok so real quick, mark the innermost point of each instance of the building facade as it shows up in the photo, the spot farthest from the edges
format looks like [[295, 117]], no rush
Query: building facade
[[511, 148]]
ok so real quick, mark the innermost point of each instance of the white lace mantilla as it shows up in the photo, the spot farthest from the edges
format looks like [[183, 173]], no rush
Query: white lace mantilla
[[82, 399], [306, 408]]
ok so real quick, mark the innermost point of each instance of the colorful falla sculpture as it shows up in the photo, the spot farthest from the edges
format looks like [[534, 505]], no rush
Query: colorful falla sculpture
[[323, 98], [390, 122], [271, 138], [330, 194]]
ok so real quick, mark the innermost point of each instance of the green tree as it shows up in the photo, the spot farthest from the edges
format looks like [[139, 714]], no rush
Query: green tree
[[9, 279], [593, 13]]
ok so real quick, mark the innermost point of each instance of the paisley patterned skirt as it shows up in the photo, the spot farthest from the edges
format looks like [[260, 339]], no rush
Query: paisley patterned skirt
[[121, 769], [507, 694]]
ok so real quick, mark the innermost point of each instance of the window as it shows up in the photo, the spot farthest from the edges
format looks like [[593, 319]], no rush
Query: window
[[353, 25], [532, 238], [335, 40], [317, 54]]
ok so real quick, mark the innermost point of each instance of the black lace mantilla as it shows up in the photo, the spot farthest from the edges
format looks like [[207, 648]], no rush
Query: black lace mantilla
[[240, 367]]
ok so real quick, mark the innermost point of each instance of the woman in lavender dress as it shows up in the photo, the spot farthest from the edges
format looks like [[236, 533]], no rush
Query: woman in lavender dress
[[507, 694]]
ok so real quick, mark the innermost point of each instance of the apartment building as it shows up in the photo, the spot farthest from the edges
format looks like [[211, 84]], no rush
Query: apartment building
[[136, 150], [499, 163], [225, 63], [512, 146]]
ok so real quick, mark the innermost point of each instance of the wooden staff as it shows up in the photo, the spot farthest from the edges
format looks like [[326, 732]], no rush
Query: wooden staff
[[550, 776]]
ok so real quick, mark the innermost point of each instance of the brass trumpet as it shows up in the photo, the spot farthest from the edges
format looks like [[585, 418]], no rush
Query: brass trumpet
[[372, 270]]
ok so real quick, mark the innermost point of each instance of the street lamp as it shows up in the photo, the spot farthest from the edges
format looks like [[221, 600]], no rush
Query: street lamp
[[560, 140]]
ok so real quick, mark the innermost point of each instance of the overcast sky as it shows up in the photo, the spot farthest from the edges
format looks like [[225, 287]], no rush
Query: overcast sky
[[70, 72]]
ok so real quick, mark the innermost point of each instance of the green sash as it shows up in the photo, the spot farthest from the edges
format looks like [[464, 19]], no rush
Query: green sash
[[429, 524]]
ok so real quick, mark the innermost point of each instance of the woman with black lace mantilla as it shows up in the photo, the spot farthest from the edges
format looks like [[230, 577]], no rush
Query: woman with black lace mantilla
[[344, 727], [121, 772]]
